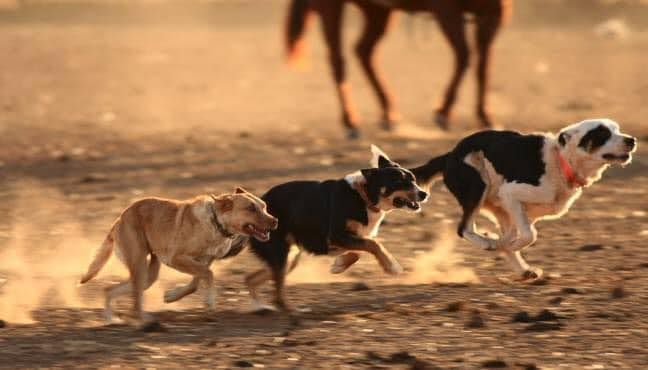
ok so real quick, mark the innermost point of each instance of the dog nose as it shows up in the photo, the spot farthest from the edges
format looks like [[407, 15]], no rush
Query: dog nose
[[422, 195], [275, 223], [630, 142]]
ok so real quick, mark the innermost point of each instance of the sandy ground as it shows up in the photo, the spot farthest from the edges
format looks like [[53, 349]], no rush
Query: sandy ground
[[102, 105]]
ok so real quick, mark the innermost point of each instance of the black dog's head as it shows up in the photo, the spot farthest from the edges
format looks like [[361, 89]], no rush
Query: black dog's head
[[390, 186]]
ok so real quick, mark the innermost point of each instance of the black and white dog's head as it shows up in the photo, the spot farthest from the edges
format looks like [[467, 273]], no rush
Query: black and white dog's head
[[597, 141], [388, 185]]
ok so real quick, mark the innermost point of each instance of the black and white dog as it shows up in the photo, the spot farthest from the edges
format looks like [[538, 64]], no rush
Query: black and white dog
[[520, 179], [333, 217]]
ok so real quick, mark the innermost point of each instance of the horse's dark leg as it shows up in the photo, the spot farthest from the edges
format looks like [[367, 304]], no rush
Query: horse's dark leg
[[487, 27], [377, 20], [330, 12], [451, 21]]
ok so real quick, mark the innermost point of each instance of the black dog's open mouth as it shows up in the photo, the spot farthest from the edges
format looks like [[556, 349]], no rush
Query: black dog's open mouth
[[616, 157], [402, 202], [256, 232]]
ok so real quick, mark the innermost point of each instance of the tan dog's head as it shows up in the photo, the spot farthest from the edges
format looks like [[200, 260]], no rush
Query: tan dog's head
[[592, 145], [245, 214]]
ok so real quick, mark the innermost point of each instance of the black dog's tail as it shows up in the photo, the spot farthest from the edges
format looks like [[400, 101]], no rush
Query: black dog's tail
[[430, 171]]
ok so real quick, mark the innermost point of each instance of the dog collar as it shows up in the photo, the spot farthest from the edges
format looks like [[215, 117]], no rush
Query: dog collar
[[359, 187], [219, 226], [567, 171]]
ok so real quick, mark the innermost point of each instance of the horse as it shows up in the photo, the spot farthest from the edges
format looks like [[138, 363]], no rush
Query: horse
[[488, 15]]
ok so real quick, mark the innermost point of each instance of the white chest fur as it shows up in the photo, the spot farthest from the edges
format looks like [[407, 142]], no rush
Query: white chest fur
[[375, 219]]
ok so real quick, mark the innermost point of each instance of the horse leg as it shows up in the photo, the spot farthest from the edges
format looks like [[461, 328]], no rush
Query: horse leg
[[452, 26], [487, 27], [377, 21], [330, 12]]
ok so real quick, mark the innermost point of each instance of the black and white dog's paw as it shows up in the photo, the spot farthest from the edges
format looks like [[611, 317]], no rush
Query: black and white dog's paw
[[394, 268]]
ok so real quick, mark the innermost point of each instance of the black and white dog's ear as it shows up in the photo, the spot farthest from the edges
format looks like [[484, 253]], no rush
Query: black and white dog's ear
[[379, 159], [563, 138]]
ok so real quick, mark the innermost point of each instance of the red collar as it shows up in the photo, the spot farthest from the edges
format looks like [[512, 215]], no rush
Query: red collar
[[360, 188], [572, 179]]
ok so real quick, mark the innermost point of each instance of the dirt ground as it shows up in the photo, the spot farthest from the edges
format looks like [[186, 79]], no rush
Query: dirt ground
[[101, 105]]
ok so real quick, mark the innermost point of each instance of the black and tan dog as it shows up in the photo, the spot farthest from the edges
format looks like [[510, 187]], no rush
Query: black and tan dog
[[333, 217]]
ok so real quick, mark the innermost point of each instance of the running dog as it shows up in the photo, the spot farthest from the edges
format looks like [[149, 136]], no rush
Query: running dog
[[521, 179], [333, 217], [185, 235]]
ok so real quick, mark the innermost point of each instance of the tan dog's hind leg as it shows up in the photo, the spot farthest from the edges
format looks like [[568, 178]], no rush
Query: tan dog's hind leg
[[127, 288]]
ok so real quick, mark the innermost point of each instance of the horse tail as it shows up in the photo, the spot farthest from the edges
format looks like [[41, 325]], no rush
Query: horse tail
[[298, 14]]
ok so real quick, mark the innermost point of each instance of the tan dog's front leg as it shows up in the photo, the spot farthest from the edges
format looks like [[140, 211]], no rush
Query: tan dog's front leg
[[200, 271], [179, 292]]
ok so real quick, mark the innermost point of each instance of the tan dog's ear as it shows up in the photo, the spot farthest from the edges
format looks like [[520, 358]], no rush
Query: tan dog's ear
[[240, 190], [224, 203]]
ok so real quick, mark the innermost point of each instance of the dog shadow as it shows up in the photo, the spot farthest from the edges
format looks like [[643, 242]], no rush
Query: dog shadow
[[80, 333]]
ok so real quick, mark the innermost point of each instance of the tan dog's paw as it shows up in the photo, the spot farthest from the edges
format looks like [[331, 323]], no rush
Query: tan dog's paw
[[259, 308], [172, 294], [532, 273], [210, 300]]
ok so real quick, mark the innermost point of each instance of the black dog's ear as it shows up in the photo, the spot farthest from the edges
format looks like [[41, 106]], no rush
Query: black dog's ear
[[385, 162], [372, 186], [563, 138], [379, 159]]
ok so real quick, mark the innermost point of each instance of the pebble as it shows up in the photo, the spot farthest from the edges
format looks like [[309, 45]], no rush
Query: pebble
[[619, 292], [494, 364], [544, 326], [456, 306], [359, 287], [522, 316], [590, 247], [570, 290], [153, 327], [243, 363], [556, 300], [476, 320]]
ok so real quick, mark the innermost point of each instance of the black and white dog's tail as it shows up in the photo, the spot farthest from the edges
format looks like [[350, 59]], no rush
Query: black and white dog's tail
[[433, 170]]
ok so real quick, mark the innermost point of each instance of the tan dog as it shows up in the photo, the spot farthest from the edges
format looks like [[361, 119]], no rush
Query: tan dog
[[185, 235]]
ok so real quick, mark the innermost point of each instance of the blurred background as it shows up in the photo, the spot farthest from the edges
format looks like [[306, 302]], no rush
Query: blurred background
[[103, 102]]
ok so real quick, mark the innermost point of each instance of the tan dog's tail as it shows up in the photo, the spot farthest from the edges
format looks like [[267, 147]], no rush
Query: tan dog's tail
[[101, 257]]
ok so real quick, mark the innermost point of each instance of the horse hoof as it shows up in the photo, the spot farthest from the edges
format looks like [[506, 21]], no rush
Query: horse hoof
[[442, 121], [353, 133], [485, 121]]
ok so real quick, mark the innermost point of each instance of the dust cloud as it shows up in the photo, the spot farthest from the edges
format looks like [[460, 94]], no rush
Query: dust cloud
[[48, 250], [441, 264]]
